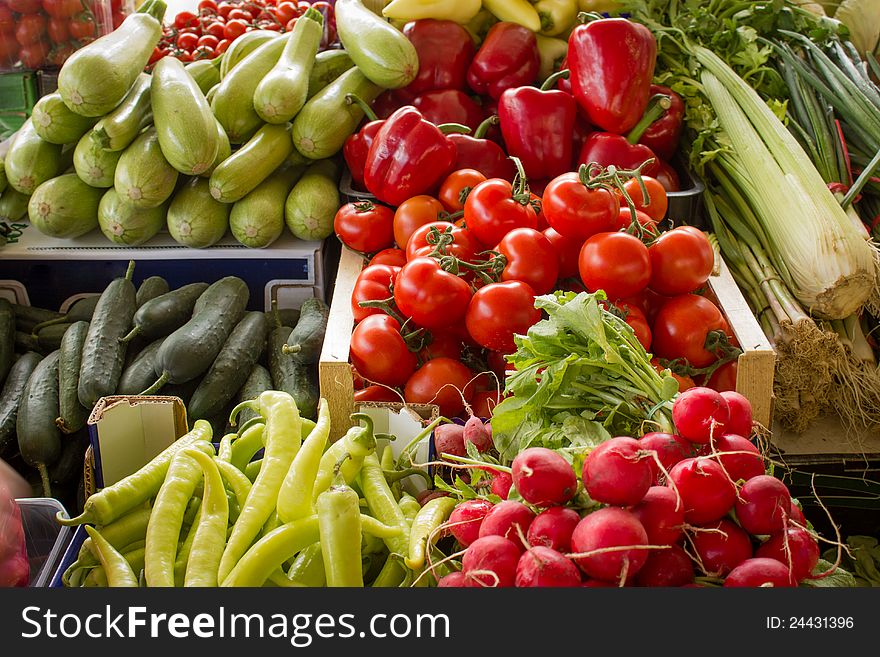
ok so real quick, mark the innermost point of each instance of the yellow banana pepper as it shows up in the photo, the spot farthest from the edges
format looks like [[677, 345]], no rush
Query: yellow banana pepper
[[552, 52], [459, 11], [557, 16], [601, 6], [515, 11], [479, 26]]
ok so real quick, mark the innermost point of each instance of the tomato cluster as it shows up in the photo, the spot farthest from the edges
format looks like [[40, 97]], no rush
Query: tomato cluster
[[39, 33], [208, 33], [452, 278]]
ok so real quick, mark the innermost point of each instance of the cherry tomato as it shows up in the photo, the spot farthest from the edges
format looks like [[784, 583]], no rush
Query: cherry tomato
[[684, 382], [8, 49], [442, 345], [303, 6], [625, 220], [269, 24], [25, 6], [372, 284], [60, 53], [203, 52], [498, 311], [379, 352], [365, 227], [432, 297], [576, 211], [568, 251], [484, 402], [240, 14], [222, 46], [491, 212], [637, 321], [57, 30], [209, 41], [531, 258], [463, 246], [187, 41], [117, 17], [215, 29], [412, 213], [615, 262], [392, 256], [667, 177], [457, 185], [234, 29], [158, 53], [377, 393], [657, 200], [31, 28], [286, 11], [207, 7], [441, 381], [724, 378], [184, 55], [82, 27], [34, 55], [538, 204], [223, 8], [289, 26], [681, 327], [681, 261], [7, 20], [186, 19]]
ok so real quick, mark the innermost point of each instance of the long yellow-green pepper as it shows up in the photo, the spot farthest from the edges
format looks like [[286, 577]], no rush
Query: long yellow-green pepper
[[295, 497], [116, 568], [339, 522], [210, 534]]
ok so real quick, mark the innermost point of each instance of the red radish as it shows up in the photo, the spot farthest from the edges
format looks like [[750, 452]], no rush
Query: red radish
[[797, 515], [543, 477], [671, 567], [466, 518], [508, 519], [477, 433], [501, 483], [617, 472], [662, 515], [795, 548], [553, 528], [456, 579], [740, 420], [670, 450], [609, 527], [491, 561], [759, 572], [449, 439], [699, 414], [739, 466], [706, 492], [722, 549], [763, 505], [543, 566], [597, 584]]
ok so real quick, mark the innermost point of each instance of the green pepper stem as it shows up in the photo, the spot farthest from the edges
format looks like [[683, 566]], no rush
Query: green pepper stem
[[483, 128], [354, 99], [449, 128], [585, 17], [82, 518], [520, 183], [392, 476], [366, 419], [564, 74], [247, 404], [658, 104], [129, 272]]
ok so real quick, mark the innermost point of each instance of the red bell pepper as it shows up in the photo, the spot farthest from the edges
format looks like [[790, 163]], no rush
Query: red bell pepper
[[409, 156], [484, 155], [449, 106], [607, 148], [668, 177], [663, 134], [358, 145], [538, 127], [390, 101], [612, 63], [445, 50], [507, 58]]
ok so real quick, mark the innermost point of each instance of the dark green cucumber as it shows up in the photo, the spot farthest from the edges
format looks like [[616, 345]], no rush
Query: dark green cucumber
[[27, 317], [72, 415], [190, 350], [7, 338], [10, 396], [307, 337], [230, 369], [291, 376], [259, 381], [49, 338], [166, 313], [104, 352], [81, 311], [26, 342], [69, 465], [140, 373], [182, 390], [39, 439], [287, 316], [151, 288]]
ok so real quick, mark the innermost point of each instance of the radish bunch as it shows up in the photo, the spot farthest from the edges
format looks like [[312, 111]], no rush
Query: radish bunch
[[657, 511]]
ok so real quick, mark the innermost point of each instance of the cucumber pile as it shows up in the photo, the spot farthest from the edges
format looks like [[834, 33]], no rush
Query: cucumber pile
[[197, 342], [247, 143]]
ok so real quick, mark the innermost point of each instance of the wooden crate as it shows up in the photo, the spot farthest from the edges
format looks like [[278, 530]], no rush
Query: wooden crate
[[755, 366]]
